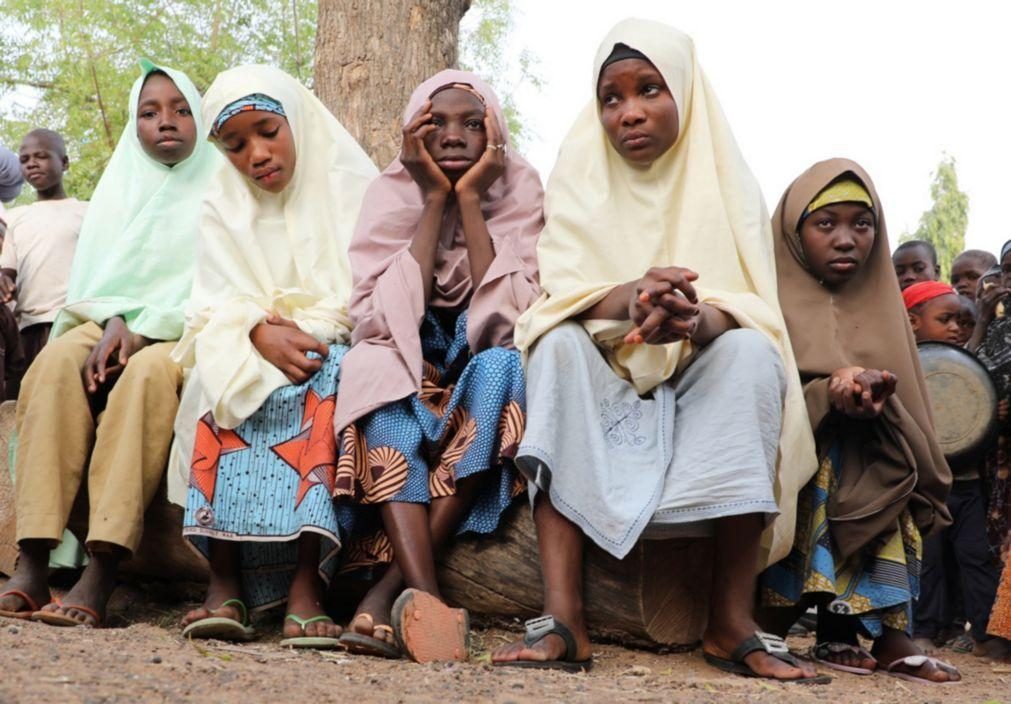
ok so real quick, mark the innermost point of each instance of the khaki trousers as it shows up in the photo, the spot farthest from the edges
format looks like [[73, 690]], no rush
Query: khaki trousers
[[125, 451]]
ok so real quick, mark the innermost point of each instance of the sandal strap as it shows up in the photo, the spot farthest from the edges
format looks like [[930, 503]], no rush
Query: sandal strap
[[29, 602], [765, 642], [921, 660], [76, 607], [537, 629], [303, 622], [238, 603]]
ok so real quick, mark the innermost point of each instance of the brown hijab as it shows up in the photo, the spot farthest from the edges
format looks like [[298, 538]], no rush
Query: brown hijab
[[890, 463]]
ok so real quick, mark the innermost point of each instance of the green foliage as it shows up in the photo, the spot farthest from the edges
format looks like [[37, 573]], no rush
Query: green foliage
[[484, 36], [945, 223], [68, 64]]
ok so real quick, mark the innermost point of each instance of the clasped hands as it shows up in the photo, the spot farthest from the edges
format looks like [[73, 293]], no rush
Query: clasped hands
[[861, 393], [664, 307]]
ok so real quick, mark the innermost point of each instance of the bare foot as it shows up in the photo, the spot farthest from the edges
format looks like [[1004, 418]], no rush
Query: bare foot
[[93, 591], [551, 647], [30, 577], [305, 599], [722, 638], [894, 645]]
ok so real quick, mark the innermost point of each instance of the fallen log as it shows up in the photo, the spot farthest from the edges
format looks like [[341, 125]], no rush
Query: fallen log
[[657, 595]]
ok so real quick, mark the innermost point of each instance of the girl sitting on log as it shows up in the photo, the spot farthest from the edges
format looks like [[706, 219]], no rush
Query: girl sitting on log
[[883, 479], [432, 396], [661, 364], [267, 329], [130, 279]]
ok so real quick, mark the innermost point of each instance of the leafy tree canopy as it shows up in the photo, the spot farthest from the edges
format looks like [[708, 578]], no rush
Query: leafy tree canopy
[[945, 223]]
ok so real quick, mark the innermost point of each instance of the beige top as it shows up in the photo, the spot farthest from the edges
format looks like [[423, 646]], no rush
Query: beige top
[[39, 246]]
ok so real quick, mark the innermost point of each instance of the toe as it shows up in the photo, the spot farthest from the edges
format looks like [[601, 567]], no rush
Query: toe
[[195, 615]]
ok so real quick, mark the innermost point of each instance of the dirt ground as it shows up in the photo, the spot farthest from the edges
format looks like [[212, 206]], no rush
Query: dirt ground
[[142, 658]]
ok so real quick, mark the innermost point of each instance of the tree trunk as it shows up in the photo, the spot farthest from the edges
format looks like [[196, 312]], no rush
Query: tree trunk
[[370, 56]]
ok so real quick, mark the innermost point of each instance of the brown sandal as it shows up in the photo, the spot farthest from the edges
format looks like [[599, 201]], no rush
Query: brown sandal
[[54, 619], [25, 613]]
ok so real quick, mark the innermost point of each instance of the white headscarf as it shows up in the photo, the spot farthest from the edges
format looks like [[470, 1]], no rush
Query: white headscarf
[[235, 287], [697, 206]]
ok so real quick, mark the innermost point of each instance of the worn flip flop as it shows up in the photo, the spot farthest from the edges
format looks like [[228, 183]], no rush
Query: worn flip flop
[[537, 629], [769, 643], [430, 631], [311, 642], [30, 605], [920, 661], [361, 644], [821, 651], [221, 628], [52, 618]]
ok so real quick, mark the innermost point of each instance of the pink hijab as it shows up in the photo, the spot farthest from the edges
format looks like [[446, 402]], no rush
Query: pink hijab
[[387, 303]]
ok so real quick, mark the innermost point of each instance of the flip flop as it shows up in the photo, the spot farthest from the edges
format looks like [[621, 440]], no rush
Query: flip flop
[[312, 642], [361, 644], [920, 661], [26, 613], [537, 629], [52, 618], [769, 643], [821, 652], [221, 628], [428, 630]]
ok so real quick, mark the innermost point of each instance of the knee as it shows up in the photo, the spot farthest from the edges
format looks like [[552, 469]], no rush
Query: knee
[[152, 365], [499, 357], [750, 352], [565, 336]]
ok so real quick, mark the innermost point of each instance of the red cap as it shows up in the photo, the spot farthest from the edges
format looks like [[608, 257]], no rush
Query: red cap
[[923, 291]]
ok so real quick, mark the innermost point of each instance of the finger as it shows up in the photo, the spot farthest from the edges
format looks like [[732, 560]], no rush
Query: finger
[[323, 349], [423, 132], [677, 304], [89, 373], [671, 330], [681, 279], [103, 355], [652, 322], [419, 118], [653, 291]]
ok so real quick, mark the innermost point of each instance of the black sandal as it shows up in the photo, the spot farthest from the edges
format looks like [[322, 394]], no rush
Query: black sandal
[[537, 629], [769, 643]]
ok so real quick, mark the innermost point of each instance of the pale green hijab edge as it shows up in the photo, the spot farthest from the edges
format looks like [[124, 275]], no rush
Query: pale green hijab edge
[[136, 254]]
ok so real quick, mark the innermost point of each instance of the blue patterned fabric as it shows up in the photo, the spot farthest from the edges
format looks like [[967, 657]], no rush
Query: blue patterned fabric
[[877, 585], [468, 419], [255, 101], [269, 481]]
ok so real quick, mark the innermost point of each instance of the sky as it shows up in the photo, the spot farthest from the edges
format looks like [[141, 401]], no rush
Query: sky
[[892, 84]]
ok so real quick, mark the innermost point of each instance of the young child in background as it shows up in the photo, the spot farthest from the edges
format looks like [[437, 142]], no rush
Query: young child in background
[[968, 268], [39, 248], [966, 318], [914, 261], [933, 309]]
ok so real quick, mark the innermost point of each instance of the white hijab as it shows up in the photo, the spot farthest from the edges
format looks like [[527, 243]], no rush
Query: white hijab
[[697, 206], [235, 288]]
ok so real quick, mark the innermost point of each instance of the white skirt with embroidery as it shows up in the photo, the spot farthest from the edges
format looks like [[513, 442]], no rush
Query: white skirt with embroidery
[[623, 467]]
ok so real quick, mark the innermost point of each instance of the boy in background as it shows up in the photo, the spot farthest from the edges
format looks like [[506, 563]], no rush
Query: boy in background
[[915, 261], [38, 249]]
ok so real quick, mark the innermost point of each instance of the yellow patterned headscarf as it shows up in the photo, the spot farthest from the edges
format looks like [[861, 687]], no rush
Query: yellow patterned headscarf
[[847, 190]]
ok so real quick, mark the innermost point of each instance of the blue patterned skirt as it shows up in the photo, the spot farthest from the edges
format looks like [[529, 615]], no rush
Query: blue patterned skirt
[[467, 419], [877, 585], [269, 481]]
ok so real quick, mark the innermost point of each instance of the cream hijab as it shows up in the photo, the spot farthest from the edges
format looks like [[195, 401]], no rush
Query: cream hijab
[[235, 287], [697, 206]]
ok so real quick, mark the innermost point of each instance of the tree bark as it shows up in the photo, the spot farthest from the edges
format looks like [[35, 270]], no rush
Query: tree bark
[[371, 54]]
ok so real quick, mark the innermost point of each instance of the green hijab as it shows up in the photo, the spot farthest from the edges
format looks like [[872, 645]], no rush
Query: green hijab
[[137, 250]]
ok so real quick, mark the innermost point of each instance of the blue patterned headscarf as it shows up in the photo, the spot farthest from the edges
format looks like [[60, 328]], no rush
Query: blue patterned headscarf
[[254, 101]]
